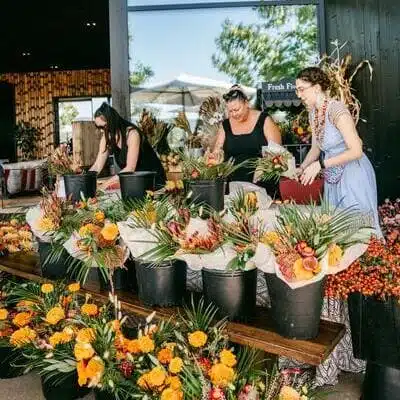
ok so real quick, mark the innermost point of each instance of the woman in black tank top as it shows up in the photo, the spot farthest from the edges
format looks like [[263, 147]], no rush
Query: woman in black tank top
[[244, 133], [131, 150]]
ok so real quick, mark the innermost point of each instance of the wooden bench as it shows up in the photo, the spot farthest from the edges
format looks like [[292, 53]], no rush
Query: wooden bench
[[257, 333]]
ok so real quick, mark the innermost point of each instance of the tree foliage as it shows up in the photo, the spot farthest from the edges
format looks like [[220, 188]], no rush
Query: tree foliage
[[277, 47], [68, 113], [140, 74]]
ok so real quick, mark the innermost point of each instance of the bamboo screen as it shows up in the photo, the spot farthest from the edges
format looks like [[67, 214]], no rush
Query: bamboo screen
[[34, 93]]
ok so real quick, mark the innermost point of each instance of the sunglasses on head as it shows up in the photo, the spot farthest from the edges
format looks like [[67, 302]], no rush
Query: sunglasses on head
[[234, 94]]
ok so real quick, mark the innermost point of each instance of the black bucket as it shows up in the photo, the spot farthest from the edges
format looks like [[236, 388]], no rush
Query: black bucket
[[208, 192], [381, 383], [9, 356], [77, 185], [103, 395], [234, 293], [52, 270], [295, 313], [68, 389], [375, 329], [120, 280], [161, 285], [132, 280], [135, 184]]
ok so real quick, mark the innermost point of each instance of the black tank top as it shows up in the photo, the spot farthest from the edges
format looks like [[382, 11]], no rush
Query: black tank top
[[147, 159], [243, 147]]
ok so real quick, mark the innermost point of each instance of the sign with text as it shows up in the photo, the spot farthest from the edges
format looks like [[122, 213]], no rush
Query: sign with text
[[281, 92]]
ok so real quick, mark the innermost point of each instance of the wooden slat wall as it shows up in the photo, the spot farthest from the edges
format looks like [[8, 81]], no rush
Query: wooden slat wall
[[34, 93], [372, 29]]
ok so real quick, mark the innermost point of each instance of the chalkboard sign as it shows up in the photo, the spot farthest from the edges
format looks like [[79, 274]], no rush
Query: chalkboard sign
[[279, 93]]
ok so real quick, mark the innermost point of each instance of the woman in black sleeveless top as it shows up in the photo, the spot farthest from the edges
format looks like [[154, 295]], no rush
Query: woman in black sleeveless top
[[244, 132], [131, 150]]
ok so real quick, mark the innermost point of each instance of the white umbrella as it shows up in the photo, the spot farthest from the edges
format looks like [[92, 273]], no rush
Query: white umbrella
[[186, 90]]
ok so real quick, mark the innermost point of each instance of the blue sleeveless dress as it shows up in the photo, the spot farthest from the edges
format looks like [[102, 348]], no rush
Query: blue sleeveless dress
[[351, 184]]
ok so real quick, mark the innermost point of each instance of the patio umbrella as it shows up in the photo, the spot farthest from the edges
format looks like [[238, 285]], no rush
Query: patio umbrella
[[185, 90]]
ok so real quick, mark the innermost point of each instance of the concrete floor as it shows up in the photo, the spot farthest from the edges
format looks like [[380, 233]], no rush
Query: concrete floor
[[28, 387]]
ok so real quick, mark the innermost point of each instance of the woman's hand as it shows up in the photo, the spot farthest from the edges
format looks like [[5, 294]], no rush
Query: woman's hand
[[310, 173]]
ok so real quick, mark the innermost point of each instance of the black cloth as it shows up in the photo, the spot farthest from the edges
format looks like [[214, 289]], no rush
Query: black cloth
[[147, 159], [247, 146]]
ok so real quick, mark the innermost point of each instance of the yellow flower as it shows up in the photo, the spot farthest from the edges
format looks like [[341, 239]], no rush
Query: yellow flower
[[99, 216], [22, 319], [288, 393], [25, 235], [110, 232], [74, 287], [85, 335], [94, 370], [88, 229], [156, 377], [142, 382], [22, 336], [26, 245], [81, 370], [3, 314], [250, 200], [25, 304], [227, 358], [170, 185], [146, 345], [46, 224], [174, 382], [89, 309], [175, 366], [300, 130], [47, 288], [164, 356], [335, 254], [221, 375], [270, 238], [59, 338], [179, 184], [55, 315], [171, 394], [83, 351], [197, 338]]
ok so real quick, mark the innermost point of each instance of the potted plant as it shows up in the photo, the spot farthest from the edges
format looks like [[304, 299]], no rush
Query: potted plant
[[371, 286], [26, 137], [206, 177], [78, 183], [302, 243]]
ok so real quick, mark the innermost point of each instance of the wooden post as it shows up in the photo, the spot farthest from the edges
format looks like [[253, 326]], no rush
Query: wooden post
[[85, 142]]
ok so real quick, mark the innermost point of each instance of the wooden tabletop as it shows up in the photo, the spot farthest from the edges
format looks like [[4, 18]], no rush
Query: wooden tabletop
[[256, 333]]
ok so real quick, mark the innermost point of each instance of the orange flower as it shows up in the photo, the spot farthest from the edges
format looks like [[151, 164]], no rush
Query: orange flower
[[288, 393], [156, 377], [59, 338], [99, 216], [171, 394], [110, 232], [164, 356], [95, 370], [197, 339], [55, 315], [221, 375], [227, 358], [132, 346], [89, 309], [22, 336], [74, 287], [174, 382], [146, 344], [22, 319], [85, 335]]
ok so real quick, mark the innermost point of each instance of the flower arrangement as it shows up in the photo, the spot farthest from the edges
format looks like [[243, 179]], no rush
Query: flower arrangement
[[301, 128], [171, 162], [273, 165], [61, 163], [210, 166], [15, 236], [302, 239], [376, 273]]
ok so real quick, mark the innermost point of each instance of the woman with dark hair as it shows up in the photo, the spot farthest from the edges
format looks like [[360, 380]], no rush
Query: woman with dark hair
[[131, 150], [336, 148], [244, 132]]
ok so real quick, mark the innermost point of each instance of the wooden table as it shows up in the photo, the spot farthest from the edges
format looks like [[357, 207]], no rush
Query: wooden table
[[256, 333]]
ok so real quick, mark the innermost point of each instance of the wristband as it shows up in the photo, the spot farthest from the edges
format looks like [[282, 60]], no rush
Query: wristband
[[321, 163]]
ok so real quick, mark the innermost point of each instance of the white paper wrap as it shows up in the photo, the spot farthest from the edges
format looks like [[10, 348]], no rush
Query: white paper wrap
[[350, 255], [278, 149], [32, 217], [263, 199]]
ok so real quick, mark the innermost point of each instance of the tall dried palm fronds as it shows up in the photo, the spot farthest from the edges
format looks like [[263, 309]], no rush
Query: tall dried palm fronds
[[337, 69]]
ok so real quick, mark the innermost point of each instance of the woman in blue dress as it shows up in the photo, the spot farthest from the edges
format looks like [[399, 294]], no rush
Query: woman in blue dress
[[336, 149]]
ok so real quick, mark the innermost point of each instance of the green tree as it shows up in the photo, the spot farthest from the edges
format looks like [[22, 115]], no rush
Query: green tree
[[277, 47], [141, 73], [68, 113]]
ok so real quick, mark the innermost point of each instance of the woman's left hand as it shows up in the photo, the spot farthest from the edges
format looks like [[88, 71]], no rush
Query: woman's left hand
[[310, 173]]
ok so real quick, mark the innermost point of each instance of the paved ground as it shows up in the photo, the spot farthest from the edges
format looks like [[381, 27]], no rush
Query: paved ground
[[28, 388]]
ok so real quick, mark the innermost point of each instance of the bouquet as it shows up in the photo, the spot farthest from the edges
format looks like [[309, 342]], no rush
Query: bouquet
[[302, 240], [301, 128], [61, 163]]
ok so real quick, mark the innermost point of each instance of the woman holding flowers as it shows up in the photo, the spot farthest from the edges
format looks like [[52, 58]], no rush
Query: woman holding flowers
[[336, 148], [131, 150], [244, 133]]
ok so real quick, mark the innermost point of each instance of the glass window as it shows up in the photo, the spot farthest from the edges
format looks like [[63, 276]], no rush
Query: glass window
[[164, 2], [173, 52]]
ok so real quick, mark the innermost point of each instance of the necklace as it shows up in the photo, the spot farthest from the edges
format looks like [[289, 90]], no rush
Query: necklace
[[318, 122]]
